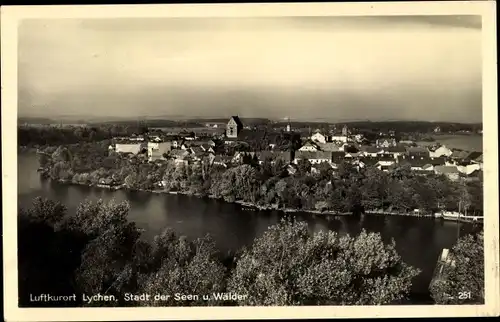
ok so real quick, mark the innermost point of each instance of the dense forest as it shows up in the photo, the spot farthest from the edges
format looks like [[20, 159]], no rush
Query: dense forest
[[30, 136], [97, 251]]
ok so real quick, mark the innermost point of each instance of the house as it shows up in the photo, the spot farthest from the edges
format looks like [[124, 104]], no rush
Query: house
[[318, 137], [476, 157], [479, 159], [313, 157], [407, 142], [468, 169], [339, 138], [352, 155], [459, 155], [233, 127], [364, 162], [436, 152], [133, 148], [451, 172], [218, 160], [285, 156], [386, 142], [385, 162], [207, 148], [396, 151], [422, 163], [370, 151], [309, 147], [156, 150], [329, 147], [418, 153], [178, 154]]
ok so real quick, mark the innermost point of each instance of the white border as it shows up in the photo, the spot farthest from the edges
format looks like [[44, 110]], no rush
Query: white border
[[12, 14]]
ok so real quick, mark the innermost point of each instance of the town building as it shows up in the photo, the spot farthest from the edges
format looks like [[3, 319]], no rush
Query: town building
[[156, 150], [329, 146], [345, 131], [371, 151], [319, 137], [439, 151], [313, 157], [396, 151], [233, 127], [386, 142], [309, 146], [134, 148], [418, 152]]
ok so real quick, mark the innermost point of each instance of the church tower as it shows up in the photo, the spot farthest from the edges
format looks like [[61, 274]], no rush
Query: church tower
[[233, 127], [288, 126], [345, 132]]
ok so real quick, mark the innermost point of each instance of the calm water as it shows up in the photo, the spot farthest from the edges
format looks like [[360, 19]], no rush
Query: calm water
[[463, 142], [419, 241]]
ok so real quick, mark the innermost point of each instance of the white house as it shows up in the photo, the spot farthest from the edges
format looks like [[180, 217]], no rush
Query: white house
[[318, 137], [309, 146], [440, 152], [371, 151], [338, 138], [133, 148], [468, 169], [313, 157], [157, 149], [384, 163], [330, 147], [396, 151]]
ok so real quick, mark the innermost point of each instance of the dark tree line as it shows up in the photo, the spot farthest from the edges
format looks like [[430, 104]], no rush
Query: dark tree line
[[53, 136]]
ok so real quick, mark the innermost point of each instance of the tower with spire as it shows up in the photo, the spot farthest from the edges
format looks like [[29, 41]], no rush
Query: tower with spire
[[288, 126], [345, 131]]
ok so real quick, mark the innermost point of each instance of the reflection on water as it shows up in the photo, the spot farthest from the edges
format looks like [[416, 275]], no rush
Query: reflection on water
[[418, 240]]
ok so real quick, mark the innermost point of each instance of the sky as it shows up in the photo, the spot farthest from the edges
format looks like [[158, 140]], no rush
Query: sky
[[306, 68]]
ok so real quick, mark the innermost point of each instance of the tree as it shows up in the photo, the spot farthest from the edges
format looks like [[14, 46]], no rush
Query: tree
[[45, 211], [290, 266], [183, 267], [48, 254], [464, 276], [304, 166], [131, 180]]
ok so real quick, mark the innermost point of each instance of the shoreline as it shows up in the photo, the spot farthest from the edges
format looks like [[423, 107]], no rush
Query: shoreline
[[254, 207]]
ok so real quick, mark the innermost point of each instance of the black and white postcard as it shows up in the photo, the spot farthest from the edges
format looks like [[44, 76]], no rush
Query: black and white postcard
[[300, 160]]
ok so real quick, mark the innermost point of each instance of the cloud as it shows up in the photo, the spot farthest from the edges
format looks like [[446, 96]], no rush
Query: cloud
[[361, 64]]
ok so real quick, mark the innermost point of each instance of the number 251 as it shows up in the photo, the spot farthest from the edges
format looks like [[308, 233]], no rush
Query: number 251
[[464, 295]]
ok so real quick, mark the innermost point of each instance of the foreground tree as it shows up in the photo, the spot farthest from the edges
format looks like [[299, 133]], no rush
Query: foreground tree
[[182, 268], [289, 266], [462, 282]]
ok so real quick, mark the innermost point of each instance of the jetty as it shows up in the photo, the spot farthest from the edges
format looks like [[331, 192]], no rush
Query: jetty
[[454, 215]]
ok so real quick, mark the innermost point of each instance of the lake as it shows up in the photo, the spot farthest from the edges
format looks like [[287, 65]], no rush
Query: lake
[[463, 142], [419, 241]]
